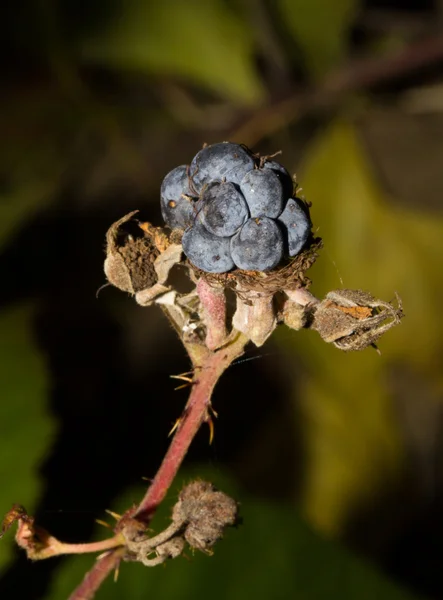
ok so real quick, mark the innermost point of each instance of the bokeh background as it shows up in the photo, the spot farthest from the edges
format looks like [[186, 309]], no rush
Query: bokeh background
[[335, 458]]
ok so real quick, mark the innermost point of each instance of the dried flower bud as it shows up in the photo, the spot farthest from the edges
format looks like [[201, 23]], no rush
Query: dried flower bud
[[206, 512], [353, 319], [130, 257]]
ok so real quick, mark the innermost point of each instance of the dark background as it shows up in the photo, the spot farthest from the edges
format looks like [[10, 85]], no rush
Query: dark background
[[335, 458]]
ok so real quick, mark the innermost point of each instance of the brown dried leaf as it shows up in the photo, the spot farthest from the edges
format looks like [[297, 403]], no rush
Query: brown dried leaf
[[353, 319]]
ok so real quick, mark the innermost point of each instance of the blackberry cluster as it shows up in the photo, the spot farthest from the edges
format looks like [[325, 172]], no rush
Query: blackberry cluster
[[236, 210]]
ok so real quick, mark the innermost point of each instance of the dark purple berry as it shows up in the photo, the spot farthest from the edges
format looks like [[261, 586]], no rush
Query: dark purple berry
[[263, 192], [177, 205], [258, 246], [220, 162], [296, 225], [207, 251], [222, 209], [283, 175]]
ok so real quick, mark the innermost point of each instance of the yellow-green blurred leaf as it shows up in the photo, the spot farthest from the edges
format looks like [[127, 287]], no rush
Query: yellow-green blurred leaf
[[320, 27], [351, 435], [203, 41], [374, 244], [26, 428], [272, 545]]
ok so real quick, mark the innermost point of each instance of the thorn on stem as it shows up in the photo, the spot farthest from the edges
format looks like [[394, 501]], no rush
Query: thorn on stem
[[210, 421], [113, 514], [103, 523], [181, 378], [185, 385], [174, 427]]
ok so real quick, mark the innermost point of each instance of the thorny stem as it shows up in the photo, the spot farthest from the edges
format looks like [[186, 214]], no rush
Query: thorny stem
[[95, 577], [194, 414]]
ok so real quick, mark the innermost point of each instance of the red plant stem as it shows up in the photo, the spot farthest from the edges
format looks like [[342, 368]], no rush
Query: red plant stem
[[213, 301], [95, 577], [195, 413]]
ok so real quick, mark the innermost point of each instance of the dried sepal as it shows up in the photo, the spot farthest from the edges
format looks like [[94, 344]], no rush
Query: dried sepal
[[255, 315], [297, 308], [130, 256], [183, 312], [169, 257], [162, 266], [353, 319], [294, 315]]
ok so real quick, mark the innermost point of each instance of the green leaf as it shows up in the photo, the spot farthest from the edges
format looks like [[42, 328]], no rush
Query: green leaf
[[273, 554], [320, 27], [205, 42], [26, 427]]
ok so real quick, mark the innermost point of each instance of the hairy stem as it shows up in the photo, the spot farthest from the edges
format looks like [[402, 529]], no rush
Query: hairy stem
[[56, 548]]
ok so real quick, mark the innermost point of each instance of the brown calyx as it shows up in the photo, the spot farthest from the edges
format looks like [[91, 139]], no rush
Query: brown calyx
[[289, 276]]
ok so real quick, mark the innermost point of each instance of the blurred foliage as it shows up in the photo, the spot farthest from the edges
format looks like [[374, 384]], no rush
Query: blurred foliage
[[203, 41], [320, 29], [351, 432], [25, 424], [105, 99], [255, 557]]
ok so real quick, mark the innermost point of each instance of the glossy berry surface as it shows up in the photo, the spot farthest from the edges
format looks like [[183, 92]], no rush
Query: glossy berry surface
[[258, 246], [176, 203], [207, 251], [235, 209], [220, 162], [263, 193], [297, 226], [283, 175], [223, 209]]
